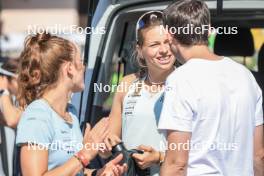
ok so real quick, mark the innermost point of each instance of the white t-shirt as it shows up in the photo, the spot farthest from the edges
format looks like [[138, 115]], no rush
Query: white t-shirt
[[220, 103]]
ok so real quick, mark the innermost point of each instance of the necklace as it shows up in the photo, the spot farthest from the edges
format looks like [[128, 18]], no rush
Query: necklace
[[65, 116], [154, 83], [154, 88]]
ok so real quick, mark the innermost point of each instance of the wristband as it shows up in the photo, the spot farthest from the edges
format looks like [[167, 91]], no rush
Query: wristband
[[78, 159], [82, 171], [82, 159]]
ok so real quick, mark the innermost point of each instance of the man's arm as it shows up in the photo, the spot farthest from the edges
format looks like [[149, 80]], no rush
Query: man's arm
[[258, 151], [176, 159]]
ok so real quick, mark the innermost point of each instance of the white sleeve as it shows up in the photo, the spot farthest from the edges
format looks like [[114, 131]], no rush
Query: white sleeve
[[178, 107], [259, 108]]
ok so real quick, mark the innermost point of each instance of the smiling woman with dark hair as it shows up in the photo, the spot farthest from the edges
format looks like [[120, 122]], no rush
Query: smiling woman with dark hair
[[136, 108]]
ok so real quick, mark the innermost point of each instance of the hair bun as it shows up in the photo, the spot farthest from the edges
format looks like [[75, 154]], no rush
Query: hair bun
[[43, 36]]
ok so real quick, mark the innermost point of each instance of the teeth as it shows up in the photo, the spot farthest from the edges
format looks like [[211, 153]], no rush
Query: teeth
[[164, 58]]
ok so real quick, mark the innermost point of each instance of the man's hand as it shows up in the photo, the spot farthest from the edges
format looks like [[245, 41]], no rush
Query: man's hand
[[148, 158]]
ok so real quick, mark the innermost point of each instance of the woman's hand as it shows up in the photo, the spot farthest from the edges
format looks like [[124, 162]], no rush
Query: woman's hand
[[113, 168], [148, 158], [110, 141], [93, 138]]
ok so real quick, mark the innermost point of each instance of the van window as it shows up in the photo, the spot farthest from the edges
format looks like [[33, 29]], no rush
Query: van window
[[251, 62]]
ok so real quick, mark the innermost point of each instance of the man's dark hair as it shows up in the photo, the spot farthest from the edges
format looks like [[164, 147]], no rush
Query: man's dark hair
[[188, 13]]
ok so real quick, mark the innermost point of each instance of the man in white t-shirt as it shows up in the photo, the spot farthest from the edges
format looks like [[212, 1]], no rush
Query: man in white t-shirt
[[212, 110]]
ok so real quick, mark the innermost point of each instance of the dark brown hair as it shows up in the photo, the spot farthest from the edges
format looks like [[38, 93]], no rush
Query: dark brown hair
[[188, 13], [40, 64]]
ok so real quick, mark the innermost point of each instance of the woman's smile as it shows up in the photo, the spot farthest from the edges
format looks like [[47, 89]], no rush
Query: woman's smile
[[163, 60]]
